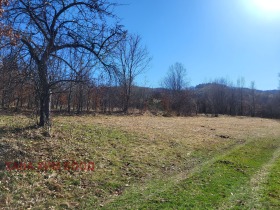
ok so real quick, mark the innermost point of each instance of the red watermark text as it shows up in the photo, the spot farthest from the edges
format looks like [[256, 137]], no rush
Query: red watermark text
[[50, 165]]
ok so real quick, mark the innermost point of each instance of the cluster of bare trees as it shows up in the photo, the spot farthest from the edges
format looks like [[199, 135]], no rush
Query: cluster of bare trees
[[97, 91], [12, 81], [74, 56], [61, 42], [91, 94], [132, 59], [176, 97], [222, 97], [218, 97]]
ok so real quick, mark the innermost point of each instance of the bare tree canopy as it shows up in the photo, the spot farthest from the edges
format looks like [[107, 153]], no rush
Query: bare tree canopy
[[177, 96], [52, 30], [131, 60], [175, 79]]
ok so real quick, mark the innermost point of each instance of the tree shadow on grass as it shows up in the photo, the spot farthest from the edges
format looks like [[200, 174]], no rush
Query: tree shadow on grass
[[13, 140], [6, 131]]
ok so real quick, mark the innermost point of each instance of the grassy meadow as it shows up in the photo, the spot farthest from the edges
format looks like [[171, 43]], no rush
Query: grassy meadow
[[142, 162]]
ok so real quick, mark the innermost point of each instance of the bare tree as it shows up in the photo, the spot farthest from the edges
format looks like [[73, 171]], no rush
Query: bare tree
[[218, 96], [240, 86], [46, 30], [176, 78], [175, 83], [13, 79], [10, 77], [253, 99], [232, 100], [132, 60]]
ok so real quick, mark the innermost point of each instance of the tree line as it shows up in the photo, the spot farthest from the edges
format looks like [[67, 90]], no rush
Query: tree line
[[104, 93], [61, 42], [75, 56]]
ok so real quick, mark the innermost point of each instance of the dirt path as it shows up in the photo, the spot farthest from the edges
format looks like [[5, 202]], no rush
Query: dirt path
[[249, 196]]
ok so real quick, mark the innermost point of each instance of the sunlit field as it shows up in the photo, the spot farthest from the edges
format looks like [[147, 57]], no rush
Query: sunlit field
[[141, 162]]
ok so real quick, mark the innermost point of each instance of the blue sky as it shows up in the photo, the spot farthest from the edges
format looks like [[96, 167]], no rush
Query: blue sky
[[212, 38]]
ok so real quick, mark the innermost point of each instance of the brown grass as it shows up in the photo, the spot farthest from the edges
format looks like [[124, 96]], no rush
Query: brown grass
[[192, 131], [127, 150]]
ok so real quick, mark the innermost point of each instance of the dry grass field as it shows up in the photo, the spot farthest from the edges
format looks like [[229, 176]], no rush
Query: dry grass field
[[193, 131], [140, 162]]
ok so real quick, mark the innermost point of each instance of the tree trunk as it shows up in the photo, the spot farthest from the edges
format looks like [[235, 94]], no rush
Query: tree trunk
[[127, 91], [45, 108], [126, 104], [69, 99], [44, 96]]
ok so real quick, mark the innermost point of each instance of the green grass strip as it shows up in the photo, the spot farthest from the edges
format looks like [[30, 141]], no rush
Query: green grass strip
[[271, 189], [207, 188]]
